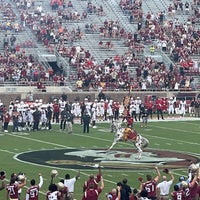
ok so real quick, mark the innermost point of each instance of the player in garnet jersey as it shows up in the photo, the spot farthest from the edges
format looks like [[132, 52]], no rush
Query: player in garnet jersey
[[186, 191], [33, 191], [129, 120], [194, 186], [93, 180], [177, 194], [150, 185], [56, 111], [53, 192], [129, 134], [92, 193], [13, 187]]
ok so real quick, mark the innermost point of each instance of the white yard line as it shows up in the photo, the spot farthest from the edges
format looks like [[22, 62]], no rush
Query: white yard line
[[175, 129]]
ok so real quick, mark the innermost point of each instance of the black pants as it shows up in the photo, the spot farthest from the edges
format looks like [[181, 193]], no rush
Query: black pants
[[86, 127], [56, 117], [49, 124], [5, 125], [63, 124], [36, 125], [160, 113]]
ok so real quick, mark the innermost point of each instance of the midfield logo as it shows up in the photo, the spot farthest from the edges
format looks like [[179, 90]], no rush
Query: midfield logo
[[113, 159]]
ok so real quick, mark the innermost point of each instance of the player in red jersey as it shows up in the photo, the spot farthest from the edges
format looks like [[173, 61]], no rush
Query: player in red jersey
[[33, 191], [56, 111], [115, 194], [13, 187], [129, 134], [150, 185], [53, 192], [93, 180], [186, 190], [129, 120], [91, 193], [64, 192], [194, 186], [159, 107], [177, 194]]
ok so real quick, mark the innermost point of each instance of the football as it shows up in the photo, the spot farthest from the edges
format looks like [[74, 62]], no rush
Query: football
[[193, 167], [21, 177], [54, 172]]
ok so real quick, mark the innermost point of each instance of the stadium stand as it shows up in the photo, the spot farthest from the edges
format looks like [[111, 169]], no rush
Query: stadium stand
[[114, 45]]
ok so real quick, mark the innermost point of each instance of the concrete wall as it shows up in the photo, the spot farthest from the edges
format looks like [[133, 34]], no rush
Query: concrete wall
[[8, 94]]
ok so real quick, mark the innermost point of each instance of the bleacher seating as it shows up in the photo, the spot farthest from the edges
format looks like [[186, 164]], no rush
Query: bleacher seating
[[73, 19]]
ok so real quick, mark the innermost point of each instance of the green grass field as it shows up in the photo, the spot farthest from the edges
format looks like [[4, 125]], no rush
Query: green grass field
[[173, 136]]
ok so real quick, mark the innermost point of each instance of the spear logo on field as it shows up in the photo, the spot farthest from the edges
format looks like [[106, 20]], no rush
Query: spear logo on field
[[113, 159]]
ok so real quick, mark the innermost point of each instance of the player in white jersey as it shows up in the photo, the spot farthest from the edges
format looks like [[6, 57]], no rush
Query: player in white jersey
[[171, 104], [38, 103], [94, 113], [132, 109], [20, 122], [110, 109], [138, 102], [87, 106], [76, 109], [101, 109], [43, 118], [29, 119], [17, 105], [53, 193], [21, 109], [182, 107], [62, 104], [11, 107]]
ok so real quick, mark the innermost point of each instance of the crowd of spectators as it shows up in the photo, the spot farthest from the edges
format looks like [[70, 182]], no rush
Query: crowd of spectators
[[168, 37], [181, 41], [163, 30]]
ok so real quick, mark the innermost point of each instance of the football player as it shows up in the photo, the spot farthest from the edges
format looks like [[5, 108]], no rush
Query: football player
[[171, 108], [150, 184], [33, 191]]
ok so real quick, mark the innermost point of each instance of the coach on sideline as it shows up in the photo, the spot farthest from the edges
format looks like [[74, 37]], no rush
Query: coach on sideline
[[163, 187]]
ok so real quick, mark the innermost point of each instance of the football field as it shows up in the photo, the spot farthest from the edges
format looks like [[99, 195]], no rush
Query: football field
[[173, 144]]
